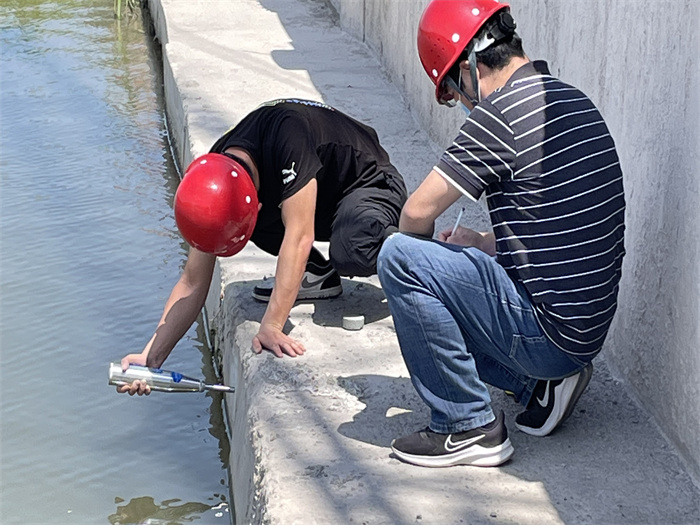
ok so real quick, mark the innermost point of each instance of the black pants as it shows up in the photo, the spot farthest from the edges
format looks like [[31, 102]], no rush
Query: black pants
[[363, 219]]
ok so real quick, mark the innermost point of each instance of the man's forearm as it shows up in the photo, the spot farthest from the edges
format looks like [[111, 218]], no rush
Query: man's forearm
[[423, 227], [181, 311], [290, 269], [182, 307], [426, 204]]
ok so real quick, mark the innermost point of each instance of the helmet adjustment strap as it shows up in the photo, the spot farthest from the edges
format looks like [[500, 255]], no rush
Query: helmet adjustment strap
[[502, 27]]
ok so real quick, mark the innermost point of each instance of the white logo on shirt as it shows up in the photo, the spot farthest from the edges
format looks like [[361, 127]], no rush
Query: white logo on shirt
[[290, 174]]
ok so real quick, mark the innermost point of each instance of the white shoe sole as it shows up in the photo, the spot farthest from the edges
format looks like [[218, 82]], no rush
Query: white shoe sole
[[475, 455]]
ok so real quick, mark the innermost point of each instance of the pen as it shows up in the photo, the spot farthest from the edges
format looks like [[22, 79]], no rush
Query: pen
[[459, 218]]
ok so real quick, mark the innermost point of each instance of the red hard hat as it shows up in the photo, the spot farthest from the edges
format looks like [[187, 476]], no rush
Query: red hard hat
[[444, 31], [216, 205]]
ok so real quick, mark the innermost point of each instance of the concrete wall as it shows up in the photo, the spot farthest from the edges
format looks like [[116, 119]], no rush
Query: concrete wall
[[638, 61]]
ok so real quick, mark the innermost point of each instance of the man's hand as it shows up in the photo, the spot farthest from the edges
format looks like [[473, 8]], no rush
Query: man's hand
[[462, 237], [137, 387], [298, 218], [272, 338], [467, 237]]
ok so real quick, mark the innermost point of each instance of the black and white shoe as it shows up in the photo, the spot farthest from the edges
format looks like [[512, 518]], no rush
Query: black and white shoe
[[552, 402], [319, 282], [486, 446]]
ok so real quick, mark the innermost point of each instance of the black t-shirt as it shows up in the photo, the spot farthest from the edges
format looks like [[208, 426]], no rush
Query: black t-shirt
[[294, 141]]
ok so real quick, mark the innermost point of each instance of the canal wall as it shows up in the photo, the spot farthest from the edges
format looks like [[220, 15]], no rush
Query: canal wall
[[639, 62], [310, 436]]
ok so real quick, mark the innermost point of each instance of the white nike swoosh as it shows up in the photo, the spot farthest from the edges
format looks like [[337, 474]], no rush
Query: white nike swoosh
[[308, 283], [545, 399], [451, 446]]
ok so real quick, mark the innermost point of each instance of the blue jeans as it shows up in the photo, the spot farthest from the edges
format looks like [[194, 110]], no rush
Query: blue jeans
[[462, 322]]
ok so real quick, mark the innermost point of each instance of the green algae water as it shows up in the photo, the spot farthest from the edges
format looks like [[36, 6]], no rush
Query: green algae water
[[89, 252]]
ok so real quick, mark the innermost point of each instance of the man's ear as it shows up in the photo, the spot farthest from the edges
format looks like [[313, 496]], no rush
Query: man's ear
[[465, 67], [259, 206]]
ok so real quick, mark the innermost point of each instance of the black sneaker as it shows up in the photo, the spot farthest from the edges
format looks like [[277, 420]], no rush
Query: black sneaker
[[552, 402], [486, 446], [319, 282]]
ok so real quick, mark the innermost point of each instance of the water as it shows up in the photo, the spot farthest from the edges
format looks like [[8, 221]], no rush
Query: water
[[88, 255]]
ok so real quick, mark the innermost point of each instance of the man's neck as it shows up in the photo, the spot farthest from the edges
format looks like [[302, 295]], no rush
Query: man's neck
[[245, 156], [492, 79]]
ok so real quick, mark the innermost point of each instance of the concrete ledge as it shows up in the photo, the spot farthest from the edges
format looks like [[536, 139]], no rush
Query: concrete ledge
[[310, 436]]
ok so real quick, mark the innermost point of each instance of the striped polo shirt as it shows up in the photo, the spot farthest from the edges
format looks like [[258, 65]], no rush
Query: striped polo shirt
[[541, 152]]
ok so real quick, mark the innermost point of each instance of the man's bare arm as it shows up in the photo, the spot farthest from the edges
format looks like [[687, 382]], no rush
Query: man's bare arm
[[181, 310], [426, 204], [298, 213]]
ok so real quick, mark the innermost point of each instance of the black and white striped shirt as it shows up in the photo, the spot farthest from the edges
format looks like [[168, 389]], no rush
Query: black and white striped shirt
[[543, 155]]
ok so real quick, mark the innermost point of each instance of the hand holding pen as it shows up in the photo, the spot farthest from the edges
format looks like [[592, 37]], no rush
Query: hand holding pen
[[445, 235]]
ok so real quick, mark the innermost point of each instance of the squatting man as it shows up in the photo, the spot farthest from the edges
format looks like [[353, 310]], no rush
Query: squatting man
[[290, 173], [526, 307]]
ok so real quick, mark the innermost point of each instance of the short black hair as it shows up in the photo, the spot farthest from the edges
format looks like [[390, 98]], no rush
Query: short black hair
[[498, 55], [500, 27]]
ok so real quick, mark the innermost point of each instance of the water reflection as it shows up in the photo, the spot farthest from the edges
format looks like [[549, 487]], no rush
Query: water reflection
[[145, 511]]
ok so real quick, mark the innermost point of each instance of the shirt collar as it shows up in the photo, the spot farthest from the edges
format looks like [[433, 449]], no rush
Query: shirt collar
[[537, 67]]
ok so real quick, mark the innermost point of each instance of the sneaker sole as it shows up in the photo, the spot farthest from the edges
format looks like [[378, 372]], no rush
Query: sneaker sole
[[475, 455], [329, 293], [566, 395]]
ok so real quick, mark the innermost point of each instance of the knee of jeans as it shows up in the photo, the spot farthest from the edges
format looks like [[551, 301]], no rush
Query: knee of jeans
[[392, 255]]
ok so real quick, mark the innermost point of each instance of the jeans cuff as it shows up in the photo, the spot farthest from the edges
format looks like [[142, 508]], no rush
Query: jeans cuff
[[482, 419]]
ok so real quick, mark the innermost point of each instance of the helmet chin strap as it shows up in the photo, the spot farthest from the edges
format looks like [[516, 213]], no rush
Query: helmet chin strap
[[482, 43], [500, 29], [473, 74]]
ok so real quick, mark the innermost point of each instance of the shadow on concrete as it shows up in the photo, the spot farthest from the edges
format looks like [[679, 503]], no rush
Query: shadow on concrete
[[305, 54], [358, 298], [604, 465], [392, 407]]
